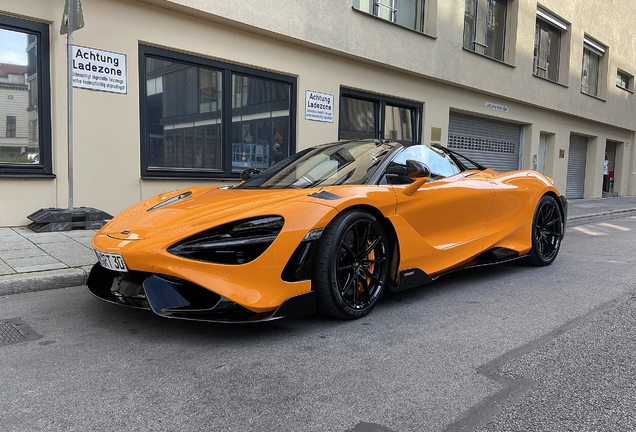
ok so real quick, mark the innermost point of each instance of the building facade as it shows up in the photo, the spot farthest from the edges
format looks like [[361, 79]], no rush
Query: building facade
[[170, 93]]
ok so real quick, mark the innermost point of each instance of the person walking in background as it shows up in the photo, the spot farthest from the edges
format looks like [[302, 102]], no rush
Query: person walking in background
[[277, 154], [606, 174]]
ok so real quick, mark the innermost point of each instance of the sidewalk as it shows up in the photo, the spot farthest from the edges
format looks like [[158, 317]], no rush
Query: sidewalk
[[32, 261]]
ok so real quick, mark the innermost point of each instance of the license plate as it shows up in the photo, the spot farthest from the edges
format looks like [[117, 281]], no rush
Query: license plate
[[111, 261]]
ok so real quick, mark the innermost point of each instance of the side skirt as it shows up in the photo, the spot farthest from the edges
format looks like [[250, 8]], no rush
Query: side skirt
[[413, 277]]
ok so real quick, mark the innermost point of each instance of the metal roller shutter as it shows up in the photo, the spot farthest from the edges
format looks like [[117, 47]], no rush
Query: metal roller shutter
[[577, 156], [494, 144]]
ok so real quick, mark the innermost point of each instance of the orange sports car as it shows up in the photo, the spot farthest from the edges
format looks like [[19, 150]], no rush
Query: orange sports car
[[330, 228]]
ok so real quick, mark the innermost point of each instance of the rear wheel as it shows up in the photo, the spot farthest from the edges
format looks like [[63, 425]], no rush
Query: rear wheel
[[547, 231], [351, 265]]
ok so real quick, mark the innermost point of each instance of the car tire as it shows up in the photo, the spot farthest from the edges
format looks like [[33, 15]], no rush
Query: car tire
[[547, 231], [351, 265]]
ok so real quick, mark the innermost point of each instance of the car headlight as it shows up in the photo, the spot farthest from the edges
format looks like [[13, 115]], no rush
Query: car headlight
[[234, 243]]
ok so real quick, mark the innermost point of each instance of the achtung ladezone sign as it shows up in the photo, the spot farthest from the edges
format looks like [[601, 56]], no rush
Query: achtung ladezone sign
[[99, 70], [318, 106]]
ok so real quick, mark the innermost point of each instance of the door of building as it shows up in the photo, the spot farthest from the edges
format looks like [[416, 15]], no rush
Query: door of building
[[492, 143], [543, 145], [577, 156]]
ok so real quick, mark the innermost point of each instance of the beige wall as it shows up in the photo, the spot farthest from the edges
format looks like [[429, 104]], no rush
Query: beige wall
[[325, 54], [335, 26]]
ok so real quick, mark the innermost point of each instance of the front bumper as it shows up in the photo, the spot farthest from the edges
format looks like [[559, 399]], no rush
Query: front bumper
[[174, 298]]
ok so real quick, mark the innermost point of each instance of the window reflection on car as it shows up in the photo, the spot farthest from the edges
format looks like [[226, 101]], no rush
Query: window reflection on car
[[440, 164]]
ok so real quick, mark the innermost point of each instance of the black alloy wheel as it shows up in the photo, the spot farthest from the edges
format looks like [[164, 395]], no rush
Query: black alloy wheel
[[547, 231], [351, 265]]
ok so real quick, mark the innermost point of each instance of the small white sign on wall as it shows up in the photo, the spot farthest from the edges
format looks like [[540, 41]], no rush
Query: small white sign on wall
[[99, 70], [496, 107], [318, 106]]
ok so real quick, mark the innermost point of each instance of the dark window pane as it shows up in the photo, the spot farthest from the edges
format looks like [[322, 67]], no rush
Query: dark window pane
[[357, 118], [20, 99], [546, 51], [470, 13], [186, 101], [182, 101], [622, 80], [485, 27], [495, 28], [589, 76], [410, 14], [260, 114], [398, 124]]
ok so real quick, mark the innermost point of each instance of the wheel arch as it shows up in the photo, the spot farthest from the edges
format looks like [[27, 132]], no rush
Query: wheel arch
[[390, 232], [561, 203]]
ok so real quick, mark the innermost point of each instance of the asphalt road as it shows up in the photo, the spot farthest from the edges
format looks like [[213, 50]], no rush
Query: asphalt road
[[507, 348]]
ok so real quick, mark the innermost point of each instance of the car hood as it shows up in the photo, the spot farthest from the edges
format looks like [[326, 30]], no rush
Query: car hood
[[204, 207]]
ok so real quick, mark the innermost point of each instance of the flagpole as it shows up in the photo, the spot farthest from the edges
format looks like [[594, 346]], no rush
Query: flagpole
[[69, 65]]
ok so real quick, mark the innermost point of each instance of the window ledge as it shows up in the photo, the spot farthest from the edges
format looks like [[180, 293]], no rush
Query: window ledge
[[625, 89], [392, 23], [15, 175], [489, 58], [550, 81], [231, 180], [593, 97]]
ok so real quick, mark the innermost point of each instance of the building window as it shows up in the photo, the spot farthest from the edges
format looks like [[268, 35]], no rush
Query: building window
[[624, 80], [364, 115], [407, 13], [593, 54], [10, 127], [25, 147], [547, 45], [485, 27], [207, 119]]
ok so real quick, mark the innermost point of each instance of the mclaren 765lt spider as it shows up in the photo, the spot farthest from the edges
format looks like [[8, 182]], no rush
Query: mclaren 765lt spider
[[328, 229]]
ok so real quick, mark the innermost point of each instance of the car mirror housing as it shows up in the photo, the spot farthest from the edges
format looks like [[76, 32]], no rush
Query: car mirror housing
[[417, 169]]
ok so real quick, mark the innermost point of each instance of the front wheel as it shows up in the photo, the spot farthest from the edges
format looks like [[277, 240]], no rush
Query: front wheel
[[351, 266], [547, 231]]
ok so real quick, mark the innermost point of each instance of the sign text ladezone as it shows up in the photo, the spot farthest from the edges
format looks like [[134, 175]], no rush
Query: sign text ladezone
[[99, 70], [318, 106]]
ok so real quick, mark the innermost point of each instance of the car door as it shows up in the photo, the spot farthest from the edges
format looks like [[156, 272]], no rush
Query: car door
[[445, 216]]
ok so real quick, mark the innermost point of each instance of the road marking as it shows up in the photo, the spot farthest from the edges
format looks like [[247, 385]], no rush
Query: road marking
[[589, 231], [616, 227]]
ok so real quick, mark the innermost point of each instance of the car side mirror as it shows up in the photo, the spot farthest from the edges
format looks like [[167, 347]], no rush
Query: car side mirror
[[418, 171], [248, 173]]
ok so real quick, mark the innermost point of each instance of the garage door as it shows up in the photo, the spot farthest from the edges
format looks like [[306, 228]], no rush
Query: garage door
[[576, 167], [492, 143]]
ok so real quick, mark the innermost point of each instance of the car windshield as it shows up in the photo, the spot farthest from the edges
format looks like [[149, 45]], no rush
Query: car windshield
[[339, 163]]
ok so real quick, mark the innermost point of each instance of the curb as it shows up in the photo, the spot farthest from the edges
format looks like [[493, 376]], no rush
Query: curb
[[20, 283], [581, 220]]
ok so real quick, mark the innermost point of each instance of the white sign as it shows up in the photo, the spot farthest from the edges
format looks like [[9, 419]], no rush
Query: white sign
[[495, 106], [318, 106], [99, 70]]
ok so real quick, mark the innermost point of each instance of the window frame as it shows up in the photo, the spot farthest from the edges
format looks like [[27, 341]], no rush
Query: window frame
[[427, 20], [11, 127], [630, 80], [551, 23], [509, 38], [380, 102], [43, 168], [226, 70], [601, 52]]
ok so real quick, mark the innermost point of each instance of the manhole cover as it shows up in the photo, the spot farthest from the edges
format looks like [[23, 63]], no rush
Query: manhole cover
[[9, 333], [15, 330]]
